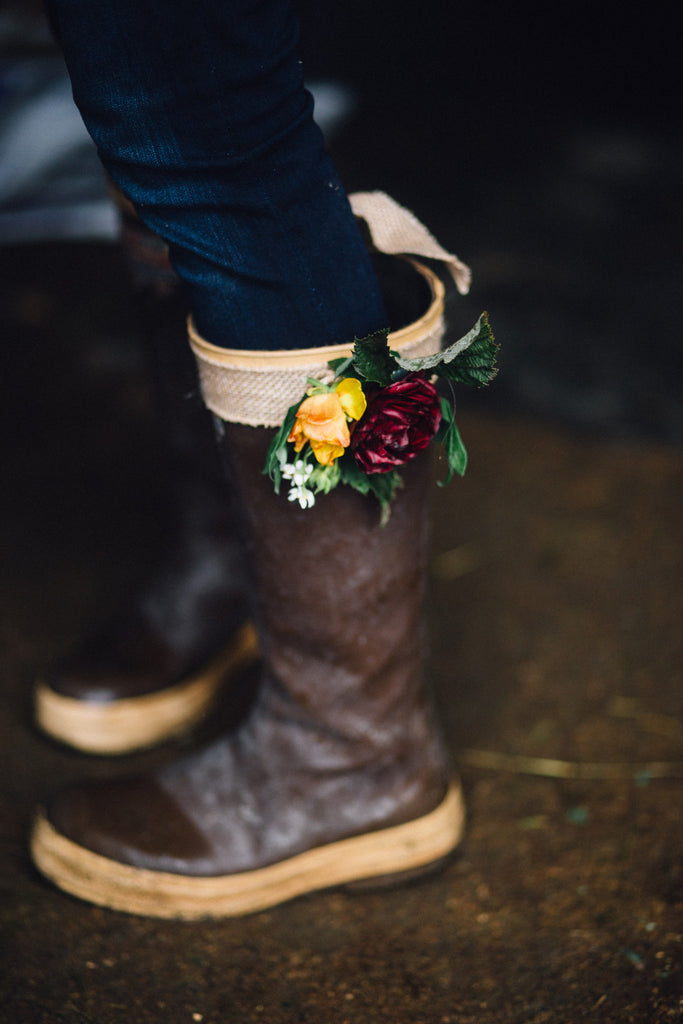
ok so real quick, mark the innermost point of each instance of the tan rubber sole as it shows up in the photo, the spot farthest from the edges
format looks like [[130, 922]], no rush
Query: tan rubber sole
[[119, 727], [401, 849]]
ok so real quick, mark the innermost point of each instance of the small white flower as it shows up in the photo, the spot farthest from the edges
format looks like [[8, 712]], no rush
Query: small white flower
[[302, 494], [298, 472]]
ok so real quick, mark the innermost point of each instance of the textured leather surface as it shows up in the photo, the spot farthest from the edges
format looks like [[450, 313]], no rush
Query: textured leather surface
[[341, 740], [187, 613]]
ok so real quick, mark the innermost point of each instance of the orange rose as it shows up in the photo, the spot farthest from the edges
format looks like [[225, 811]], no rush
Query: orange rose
[[321, 420]]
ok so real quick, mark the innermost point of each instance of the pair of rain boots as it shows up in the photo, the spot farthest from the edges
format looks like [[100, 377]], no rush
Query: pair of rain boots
[[338, 774]]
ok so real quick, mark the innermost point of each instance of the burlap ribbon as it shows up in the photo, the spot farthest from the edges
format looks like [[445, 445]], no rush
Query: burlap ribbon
[[257, 388], [395, 231]]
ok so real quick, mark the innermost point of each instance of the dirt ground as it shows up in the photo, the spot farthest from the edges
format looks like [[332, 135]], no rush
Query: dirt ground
[[555, 616]]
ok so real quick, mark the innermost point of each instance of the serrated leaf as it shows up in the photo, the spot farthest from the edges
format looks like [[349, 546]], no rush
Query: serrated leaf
[[470, 360], [373, 359]]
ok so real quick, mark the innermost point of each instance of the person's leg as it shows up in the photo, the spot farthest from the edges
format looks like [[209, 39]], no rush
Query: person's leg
[[201, 118]]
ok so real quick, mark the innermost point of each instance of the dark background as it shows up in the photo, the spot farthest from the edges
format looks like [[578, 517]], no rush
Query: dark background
[[542, 143]]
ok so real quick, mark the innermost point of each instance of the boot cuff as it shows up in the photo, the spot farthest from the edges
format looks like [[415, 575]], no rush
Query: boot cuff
[[257, 388]]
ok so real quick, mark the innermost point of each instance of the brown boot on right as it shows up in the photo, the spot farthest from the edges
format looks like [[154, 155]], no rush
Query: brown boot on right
[[339, 774]]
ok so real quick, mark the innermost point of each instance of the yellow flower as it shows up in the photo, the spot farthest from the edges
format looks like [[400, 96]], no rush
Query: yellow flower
[[351, 396], [320, 419]]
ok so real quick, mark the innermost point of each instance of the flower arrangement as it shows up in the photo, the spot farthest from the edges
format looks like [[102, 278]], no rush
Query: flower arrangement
[[380, 410]]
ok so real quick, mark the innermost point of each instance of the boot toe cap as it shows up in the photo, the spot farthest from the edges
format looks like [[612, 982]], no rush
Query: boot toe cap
[[132, 821]]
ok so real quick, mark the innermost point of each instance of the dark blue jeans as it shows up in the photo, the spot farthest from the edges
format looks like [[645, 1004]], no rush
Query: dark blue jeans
[[200, 116]]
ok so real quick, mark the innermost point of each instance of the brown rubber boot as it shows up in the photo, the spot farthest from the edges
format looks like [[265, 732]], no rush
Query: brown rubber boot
[[157, 668], [338, 775]]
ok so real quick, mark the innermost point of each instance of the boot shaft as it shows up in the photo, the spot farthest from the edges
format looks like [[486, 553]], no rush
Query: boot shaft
[[338, 599]]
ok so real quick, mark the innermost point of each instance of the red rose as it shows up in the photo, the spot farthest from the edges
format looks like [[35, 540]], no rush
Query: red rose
[[399, 422]]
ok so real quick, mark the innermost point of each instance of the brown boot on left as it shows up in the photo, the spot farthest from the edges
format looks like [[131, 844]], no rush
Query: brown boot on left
[[156, 668]]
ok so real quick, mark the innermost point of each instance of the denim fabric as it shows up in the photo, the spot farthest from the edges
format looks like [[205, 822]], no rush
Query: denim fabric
[[200, 116]]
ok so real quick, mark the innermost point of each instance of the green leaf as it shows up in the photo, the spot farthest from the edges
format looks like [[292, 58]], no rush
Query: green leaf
[[373, 359], [471, 360], [382, 485], [324, 479], [316, 387], [352, 475], [278, 444], [449, 436], [340, 365]]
